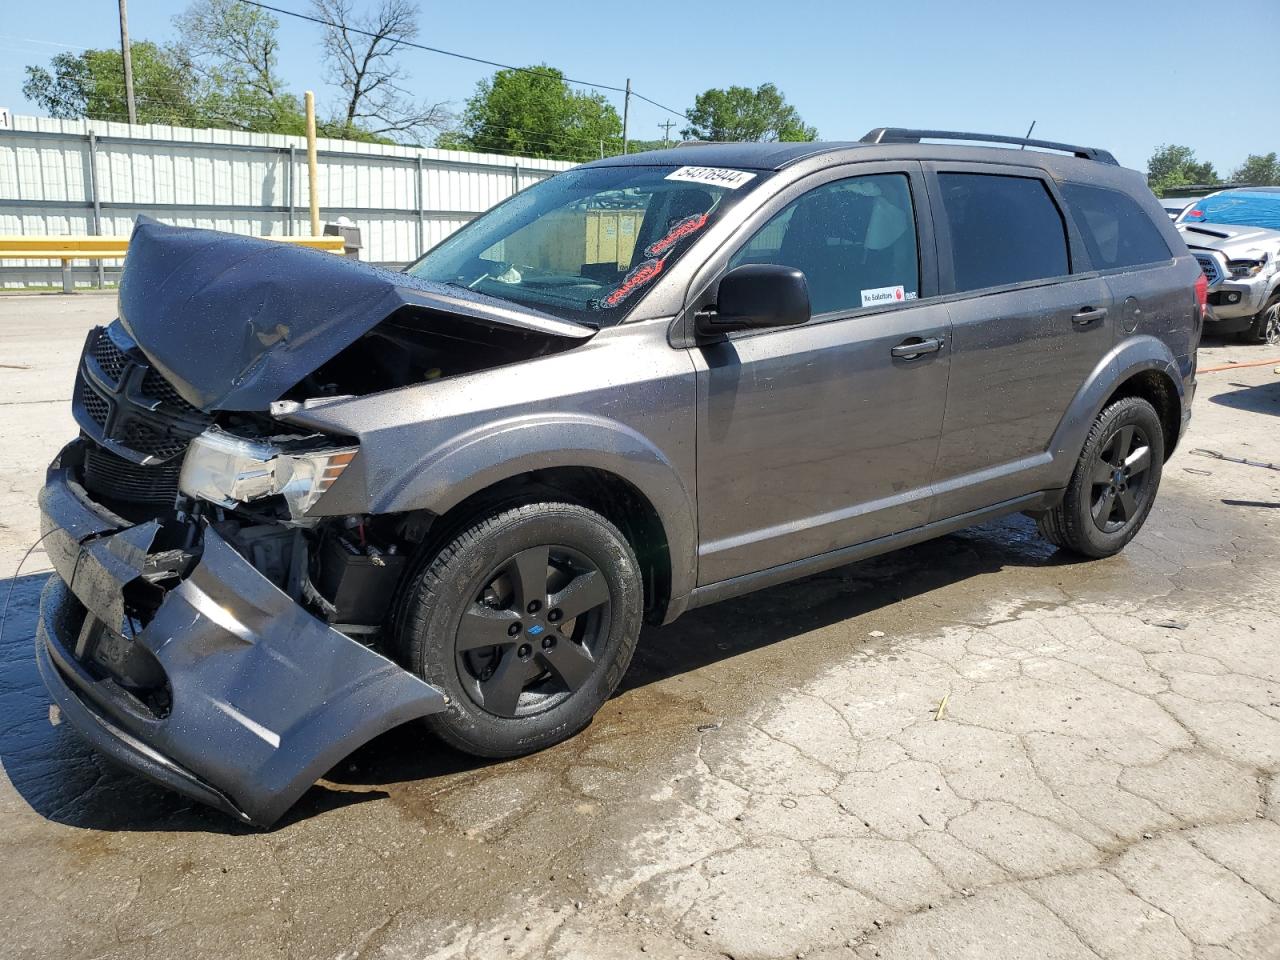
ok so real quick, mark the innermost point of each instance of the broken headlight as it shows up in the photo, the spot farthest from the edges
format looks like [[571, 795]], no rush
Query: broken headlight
[[229, 470], [1243, 269]]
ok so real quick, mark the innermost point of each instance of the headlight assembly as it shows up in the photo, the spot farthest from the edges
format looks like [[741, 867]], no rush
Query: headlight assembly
[[1243, 269], [230, 470]]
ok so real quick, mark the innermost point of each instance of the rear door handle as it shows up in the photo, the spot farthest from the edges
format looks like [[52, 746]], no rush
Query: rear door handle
[[915, 347], [1088, 315]]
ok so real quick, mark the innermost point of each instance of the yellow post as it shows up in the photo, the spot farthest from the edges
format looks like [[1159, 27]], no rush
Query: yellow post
[[313, 185]]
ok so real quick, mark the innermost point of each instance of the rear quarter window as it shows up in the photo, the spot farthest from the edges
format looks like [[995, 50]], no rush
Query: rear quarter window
[[1117, 232], [1004, 230]]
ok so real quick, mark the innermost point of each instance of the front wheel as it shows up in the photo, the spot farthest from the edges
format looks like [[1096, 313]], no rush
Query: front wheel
[[1114, 482], [527, 621], [1266, 325]]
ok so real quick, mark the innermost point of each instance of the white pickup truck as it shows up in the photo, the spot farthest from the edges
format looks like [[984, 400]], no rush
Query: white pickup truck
[[1235, 236]]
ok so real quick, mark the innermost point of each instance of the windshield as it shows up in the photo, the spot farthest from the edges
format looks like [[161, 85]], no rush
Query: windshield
[[587, 243], [1241, 208]]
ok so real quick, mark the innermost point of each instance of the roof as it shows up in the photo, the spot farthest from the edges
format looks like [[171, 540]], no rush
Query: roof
[[746, 155], [778, 156]]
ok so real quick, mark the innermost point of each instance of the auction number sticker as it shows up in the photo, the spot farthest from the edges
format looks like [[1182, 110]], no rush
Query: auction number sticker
[[713, 176]]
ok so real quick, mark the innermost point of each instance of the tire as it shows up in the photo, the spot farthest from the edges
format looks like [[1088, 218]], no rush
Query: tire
[[513, 577], [1266, 325], [1104, 507]]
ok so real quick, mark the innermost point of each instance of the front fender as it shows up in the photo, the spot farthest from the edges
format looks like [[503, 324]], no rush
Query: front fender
[[479, 458], [1128, 358]]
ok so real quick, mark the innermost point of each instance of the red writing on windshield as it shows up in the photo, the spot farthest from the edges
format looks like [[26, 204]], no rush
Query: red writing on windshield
[[634, 280], [681, 229]]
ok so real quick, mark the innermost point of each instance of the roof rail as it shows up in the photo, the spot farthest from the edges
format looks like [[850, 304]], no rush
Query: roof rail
[[904, 135]]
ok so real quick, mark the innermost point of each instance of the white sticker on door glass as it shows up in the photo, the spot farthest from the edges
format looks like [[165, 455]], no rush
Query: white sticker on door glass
[[712, 176], [882, 295]]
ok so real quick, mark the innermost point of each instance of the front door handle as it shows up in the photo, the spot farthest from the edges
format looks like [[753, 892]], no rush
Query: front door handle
[[915, 347], [1088, 315]]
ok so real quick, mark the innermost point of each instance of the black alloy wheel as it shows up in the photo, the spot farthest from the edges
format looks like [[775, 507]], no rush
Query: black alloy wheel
[[526, 620], [1114, 483], [529, 638], [1120, 474]]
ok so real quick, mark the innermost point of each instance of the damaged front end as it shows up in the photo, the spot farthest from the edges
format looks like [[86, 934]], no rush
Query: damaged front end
[[165, 646], [208, 625]]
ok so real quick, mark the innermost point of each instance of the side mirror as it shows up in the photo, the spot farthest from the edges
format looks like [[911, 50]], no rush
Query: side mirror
[[757, 295]]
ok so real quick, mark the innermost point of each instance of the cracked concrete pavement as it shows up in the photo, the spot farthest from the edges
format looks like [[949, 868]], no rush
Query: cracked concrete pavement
[[776, 778]]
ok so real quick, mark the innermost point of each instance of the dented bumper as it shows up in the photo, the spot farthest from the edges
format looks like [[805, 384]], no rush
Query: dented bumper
[[260, 697]]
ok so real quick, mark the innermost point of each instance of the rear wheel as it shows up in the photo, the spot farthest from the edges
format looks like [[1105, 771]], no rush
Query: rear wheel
[[527, 620], [1114, 483], [1266, 325]]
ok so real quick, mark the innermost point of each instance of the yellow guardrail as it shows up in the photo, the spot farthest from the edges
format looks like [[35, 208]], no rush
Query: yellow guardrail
[[113, 248], [69, 248]]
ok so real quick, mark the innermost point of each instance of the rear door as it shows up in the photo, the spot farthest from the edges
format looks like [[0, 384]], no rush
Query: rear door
[[1030, 320], [1126, 248]]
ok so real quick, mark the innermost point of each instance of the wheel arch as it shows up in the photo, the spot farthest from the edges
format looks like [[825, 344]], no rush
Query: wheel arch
[[1158, 389], [612, 496], [1142, 366]]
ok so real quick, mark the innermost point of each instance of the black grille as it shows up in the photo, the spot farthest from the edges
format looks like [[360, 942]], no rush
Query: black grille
[[114, 478], [109, 357], [145, 438], [94, 405], [156, 387], [1209, 265], [126, 406]]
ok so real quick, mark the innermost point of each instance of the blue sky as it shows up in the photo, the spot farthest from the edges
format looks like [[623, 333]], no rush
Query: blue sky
[[1123, 75]]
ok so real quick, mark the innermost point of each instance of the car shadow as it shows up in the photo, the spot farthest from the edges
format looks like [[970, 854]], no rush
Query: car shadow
[[1259, 398], [734, 627], [63, 780]]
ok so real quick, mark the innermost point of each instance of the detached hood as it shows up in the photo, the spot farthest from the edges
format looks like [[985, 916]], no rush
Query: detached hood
[[1236, 242], [233, 322]]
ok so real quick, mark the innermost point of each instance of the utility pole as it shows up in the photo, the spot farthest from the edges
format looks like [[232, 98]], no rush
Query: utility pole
[[666, 131], [128, 61], [626, 113]]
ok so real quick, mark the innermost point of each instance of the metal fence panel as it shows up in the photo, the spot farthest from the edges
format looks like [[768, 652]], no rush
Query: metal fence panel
[[93, 177]]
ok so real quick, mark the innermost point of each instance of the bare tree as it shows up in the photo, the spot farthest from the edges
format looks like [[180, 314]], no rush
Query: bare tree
[[361, 51]]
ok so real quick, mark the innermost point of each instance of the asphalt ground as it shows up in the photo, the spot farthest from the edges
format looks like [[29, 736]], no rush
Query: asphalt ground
[[972, 748]]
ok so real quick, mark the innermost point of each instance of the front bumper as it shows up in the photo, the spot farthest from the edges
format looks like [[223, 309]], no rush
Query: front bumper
[[1249, 296], [264, 698]]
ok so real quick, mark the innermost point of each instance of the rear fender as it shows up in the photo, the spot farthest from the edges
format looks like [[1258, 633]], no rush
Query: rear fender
[[1132, 356]]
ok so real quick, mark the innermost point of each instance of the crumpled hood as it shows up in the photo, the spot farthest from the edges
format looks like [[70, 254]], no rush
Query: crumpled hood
[[1235, 242], [233, 322]]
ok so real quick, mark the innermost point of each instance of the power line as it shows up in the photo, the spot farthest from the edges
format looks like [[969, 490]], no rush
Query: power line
[[459, 56]]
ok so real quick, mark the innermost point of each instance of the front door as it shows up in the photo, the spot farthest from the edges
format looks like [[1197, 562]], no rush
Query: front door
[[816, 437]]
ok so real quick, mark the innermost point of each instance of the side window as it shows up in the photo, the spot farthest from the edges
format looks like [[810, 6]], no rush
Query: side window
[[1003, 230], [854, 239], [1117, 232]]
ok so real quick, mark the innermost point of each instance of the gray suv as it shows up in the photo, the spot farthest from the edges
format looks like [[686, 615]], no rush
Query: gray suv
[[312, 499]]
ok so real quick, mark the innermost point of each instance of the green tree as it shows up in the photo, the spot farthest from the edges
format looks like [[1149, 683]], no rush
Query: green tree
[[1173, 165], [740, 113], [91, 84], [534, 113], [1259, 170], [233, 49]]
